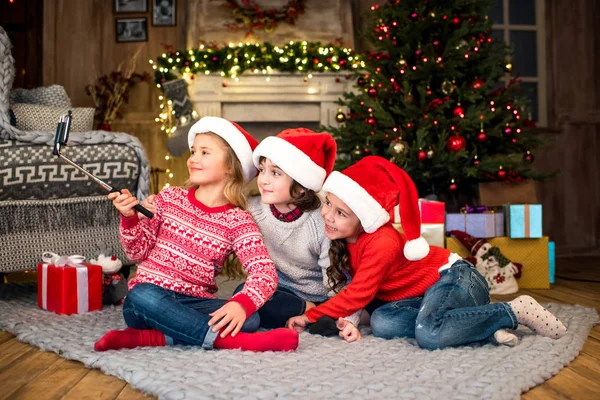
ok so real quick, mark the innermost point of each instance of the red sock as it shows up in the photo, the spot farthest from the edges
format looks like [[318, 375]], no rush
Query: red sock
[[280, 339], [129, 339]]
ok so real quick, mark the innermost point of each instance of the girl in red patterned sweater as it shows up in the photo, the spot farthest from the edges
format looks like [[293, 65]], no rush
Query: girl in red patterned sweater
[[171, 299], [408, 288]]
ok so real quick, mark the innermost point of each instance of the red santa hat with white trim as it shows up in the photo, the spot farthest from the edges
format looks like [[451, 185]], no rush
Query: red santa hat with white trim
[[306, 156], [236, 137], [374, 186]]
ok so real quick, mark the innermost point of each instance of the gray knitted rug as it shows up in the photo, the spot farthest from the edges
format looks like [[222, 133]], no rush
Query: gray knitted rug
[[320, 368]]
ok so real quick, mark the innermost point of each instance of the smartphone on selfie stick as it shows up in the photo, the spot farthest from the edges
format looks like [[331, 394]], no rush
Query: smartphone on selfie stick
[[60, 139]]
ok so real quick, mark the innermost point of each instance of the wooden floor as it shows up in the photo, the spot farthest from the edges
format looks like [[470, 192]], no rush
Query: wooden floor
[[29, 373]]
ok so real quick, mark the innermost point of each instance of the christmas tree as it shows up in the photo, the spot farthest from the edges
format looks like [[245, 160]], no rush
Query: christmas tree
[[430, 98]]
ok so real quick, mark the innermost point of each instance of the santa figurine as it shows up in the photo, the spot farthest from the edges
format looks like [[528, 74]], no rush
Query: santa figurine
[[114, 284], [500, 273]]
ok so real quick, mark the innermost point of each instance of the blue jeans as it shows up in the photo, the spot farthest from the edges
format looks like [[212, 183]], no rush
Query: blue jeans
[[183, 319], [455, 311], [278, 309]]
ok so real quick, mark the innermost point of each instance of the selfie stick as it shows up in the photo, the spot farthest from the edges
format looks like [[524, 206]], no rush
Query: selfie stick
[[60, 139]]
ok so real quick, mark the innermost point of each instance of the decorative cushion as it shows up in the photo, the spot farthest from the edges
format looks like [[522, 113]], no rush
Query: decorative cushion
[[30, 171], [53, 96], [34, 117]]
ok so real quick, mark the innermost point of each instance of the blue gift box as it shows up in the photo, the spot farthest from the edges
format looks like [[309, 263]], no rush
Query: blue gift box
[[551, 260], [479, 225], [523, 220]]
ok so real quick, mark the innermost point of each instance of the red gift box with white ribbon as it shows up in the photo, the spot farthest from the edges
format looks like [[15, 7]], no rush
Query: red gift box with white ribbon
[[433, 214], [67, 286]]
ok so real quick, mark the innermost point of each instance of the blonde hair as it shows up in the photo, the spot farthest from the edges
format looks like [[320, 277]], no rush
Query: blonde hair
[[235, 194], [234, 189]]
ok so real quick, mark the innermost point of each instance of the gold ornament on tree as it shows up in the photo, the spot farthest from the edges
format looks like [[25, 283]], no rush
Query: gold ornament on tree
[[340, 117], [447, 87], [399, 147]]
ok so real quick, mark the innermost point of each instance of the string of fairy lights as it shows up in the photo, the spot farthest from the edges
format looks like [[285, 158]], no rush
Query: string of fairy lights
[[233, 60]]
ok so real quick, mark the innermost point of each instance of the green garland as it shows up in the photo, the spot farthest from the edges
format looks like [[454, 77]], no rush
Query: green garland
[[252, 17], [231, 61]]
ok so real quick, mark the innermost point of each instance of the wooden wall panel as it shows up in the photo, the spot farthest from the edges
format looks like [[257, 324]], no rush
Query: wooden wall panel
[[572, 199]]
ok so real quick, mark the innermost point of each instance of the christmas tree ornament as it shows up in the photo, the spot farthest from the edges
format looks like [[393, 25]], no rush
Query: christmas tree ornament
[[500, 273], [459, 111], [481, 136], [456, 143], [456, 21], [360, 81], [528, 157], [430, 154], [340, 117], [461, 44], [447, 87], [357, 151], [508, 67], [508, 130], [372, 91], [399, 147], [477, 83], [501, 174], [371, 120], [224, 84], [422, 155], [475, 160], [401, 62], [453, 186]]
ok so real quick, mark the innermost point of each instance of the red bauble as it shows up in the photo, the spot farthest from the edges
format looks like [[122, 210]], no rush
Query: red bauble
[[224, 84], [371, 120], [360, 81], [337, 80], [452, 187], [528, 157], [456, 143], [456, 20], [372, 92], [459, 112], [347, 76], [422, 156], [501, 174], [477, 83], [481, 137]]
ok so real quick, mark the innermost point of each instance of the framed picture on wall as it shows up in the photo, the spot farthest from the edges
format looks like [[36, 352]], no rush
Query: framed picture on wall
[[131, 29], [164, 12], [131, 6]]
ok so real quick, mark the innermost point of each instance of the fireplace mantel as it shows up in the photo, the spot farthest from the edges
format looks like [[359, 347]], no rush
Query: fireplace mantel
[[270, 98]]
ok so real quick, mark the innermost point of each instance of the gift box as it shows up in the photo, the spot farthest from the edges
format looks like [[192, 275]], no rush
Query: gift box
[[67, 286], [523, 220], [533, 254], [479, 225], [432, 221], [551, 260]]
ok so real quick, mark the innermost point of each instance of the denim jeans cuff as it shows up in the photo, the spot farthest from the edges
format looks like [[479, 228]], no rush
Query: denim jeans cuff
[[511, 314], [209, 339]]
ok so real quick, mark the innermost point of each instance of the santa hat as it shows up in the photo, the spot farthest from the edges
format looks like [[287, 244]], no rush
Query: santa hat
[[371, 188], [470, 242], [240, 141], [306, 156]]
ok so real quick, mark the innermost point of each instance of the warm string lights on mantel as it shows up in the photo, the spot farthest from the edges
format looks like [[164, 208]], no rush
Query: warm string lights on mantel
[[231, 61]]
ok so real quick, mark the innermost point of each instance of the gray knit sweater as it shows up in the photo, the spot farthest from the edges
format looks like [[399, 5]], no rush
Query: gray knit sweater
[[299, 249]]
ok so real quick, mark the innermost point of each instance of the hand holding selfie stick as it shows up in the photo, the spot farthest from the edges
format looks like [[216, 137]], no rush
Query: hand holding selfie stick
[[60, 139]]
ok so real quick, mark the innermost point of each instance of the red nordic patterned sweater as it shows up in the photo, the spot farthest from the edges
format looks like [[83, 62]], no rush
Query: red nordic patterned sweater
[[185, 245], [380, 270]]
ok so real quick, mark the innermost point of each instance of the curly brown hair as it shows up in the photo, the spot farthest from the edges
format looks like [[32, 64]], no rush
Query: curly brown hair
[[339, 266]]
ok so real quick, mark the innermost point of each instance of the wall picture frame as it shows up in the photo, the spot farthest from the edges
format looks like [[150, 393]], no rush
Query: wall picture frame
[[164, 12], [130, 6], [131, 30]]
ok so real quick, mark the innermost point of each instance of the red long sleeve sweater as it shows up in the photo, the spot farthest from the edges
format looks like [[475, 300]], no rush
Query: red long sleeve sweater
[[185, 245], [380, 270]]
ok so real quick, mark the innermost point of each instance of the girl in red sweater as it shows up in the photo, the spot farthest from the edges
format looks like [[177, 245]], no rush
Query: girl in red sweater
[[408, 288], [183, 247]]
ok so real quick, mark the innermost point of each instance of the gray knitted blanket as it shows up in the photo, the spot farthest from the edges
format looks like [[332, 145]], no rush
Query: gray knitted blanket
[[320, 368]]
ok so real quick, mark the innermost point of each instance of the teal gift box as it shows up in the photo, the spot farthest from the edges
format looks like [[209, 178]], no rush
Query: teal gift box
[[551, 260], [523, 220]]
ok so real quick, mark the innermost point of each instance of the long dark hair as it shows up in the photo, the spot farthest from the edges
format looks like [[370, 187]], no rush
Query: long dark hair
[[339, 267]]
